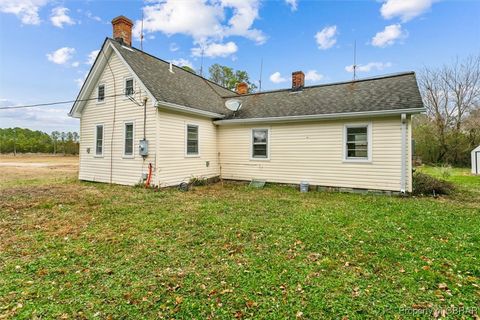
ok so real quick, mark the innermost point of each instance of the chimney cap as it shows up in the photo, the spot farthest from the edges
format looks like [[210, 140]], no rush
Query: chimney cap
[[122, 19], [241, 88]]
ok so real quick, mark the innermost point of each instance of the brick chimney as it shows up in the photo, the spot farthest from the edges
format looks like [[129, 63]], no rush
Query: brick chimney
[[122, 30], [298, 80], [241, 88]]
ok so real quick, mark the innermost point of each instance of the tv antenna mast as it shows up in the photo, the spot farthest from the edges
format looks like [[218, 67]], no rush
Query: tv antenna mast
[[260, 80], [355, 60], [201, 61], [141, 34]]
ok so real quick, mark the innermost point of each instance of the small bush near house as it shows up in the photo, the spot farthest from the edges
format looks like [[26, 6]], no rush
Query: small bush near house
[[423, 184]]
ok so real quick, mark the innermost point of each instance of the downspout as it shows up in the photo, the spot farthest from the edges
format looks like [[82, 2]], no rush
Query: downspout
[[403, 176]]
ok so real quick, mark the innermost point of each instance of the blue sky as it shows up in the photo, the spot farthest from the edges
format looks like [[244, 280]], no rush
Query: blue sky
[[45, 46]]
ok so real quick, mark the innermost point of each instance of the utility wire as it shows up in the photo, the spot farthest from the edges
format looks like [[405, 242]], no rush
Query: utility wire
[[54, 103]]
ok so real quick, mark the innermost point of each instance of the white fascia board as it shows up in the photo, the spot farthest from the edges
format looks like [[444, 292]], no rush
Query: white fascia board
[[189, 110], [329, 116], [97, 68]]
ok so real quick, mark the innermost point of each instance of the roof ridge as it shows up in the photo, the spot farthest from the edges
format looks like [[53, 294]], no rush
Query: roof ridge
[[180, 68], [386, 76]]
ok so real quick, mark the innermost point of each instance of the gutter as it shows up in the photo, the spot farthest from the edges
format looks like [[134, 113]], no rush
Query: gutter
[[184, 109], [403, 157], [321, 116]]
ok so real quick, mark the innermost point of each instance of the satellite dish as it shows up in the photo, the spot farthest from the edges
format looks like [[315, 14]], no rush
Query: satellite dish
[[233, 104]]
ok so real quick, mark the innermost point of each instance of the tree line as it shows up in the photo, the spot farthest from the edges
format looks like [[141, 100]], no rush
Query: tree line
[[20, 140], [451, 127]]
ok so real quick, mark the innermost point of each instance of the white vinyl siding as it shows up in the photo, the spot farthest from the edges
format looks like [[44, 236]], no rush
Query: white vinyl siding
[[122, 169], [313, 151], [174, 166]]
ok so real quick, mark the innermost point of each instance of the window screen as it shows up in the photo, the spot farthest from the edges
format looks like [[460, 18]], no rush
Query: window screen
[[128, 87], [128, 139], [260, 143], [99, 140], [357, 142], [192, 139], [101, 93]]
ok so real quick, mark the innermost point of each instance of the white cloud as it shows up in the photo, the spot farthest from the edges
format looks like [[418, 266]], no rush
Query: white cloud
[[75, 64], [389, 35], [173, 47], [92, 56], [326, 37], [59, 17], [215, 50], [182, 62], [25, 10], [293, 4], [277, 78], [202, 20], [61, 56], [404, 9], [313, 76], [369, 67]]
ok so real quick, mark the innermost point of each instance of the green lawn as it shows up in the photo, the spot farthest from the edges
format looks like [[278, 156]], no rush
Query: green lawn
[[81, 250]]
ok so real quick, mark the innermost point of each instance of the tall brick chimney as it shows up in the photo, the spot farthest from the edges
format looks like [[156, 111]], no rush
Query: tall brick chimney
[[241, 88], [122, 30], [298, 80]]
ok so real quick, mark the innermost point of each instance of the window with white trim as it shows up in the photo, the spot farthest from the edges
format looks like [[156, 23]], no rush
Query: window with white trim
[[101, 93], [128, 142], [260, 143], [357, 142], [192, 139], [99, 140], [129, 86]]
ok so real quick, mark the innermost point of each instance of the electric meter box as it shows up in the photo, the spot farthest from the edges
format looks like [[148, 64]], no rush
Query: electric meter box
[[143, 148]]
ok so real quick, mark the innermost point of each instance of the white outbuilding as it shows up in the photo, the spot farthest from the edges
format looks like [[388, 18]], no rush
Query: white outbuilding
[[476, 160]]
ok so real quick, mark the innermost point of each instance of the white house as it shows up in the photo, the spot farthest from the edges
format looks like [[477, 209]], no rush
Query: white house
[[138, 112], [476, 160]]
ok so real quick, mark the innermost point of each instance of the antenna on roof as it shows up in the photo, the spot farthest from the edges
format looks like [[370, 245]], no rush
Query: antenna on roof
[[141, 34], [260, 81], [201, 62], [355, 60]]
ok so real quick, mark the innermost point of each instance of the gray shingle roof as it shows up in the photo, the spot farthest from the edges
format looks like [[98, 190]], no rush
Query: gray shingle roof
[[393, 92], [180, 87]]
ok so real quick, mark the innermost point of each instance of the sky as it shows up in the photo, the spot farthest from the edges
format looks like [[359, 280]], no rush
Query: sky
[[47, 46]]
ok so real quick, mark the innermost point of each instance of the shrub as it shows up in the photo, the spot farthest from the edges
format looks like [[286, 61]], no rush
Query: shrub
[[423, 184]]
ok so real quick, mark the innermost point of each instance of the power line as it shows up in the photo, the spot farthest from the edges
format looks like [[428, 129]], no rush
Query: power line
[[54, 103]]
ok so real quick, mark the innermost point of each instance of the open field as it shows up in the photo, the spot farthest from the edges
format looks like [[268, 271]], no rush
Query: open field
[[74, 250]]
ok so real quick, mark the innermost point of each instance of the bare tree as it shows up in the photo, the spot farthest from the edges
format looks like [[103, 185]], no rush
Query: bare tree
[[450, 93]]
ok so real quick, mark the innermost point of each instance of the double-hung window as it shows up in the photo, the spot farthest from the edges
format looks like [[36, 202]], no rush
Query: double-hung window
[[357, 142], [192, 140], [129, 86], [260, 143], [101, 93], [99, 140], [128, 142]]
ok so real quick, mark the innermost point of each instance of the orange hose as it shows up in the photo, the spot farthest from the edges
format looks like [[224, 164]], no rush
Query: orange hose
[[147, 183]]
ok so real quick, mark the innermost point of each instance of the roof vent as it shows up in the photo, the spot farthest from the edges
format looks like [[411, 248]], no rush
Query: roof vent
[[170, 68]]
